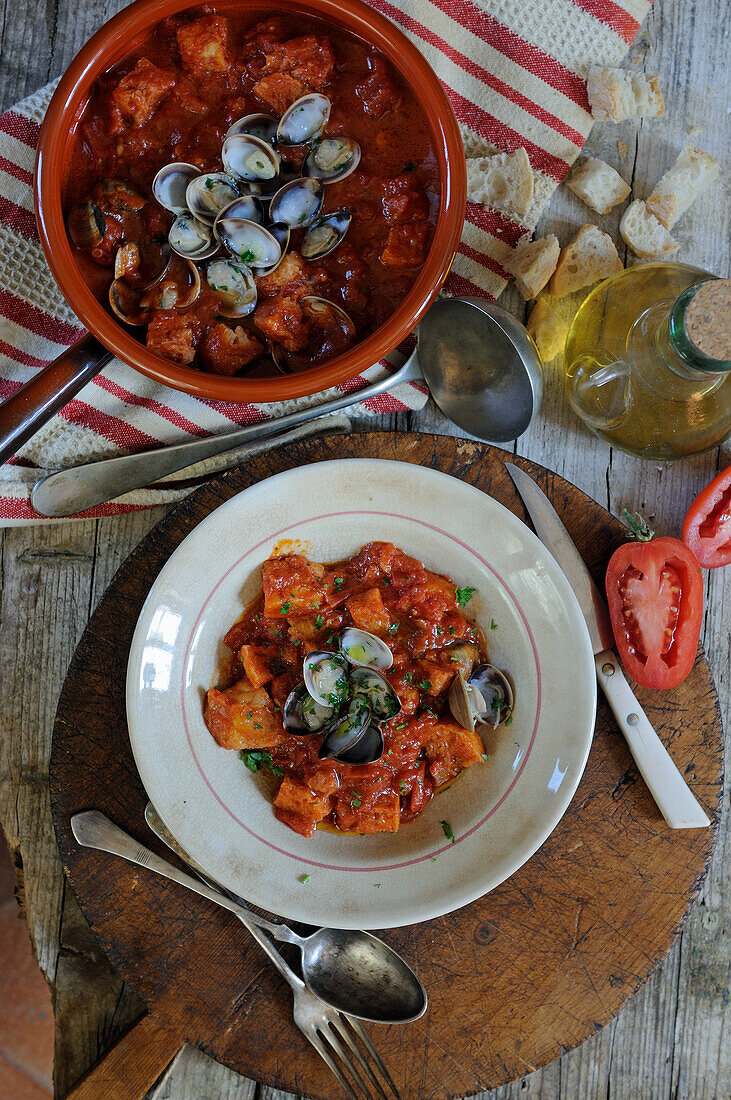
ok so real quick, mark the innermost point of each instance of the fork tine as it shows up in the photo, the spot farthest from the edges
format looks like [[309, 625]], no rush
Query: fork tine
[[363, 1036], [340, 1024], [327, 1058], [329, 1036]]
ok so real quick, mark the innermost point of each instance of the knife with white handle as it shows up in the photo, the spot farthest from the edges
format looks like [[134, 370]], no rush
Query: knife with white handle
[[674, 798]]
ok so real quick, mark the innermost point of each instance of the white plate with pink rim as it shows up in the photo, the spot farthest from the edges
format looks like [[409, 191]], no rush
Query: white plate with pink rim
[[499, 813]]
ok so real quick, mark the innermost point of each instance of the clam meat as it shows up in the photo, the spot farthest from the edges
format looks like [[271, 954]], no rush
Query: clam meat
[[380, 696], [249, 242], [486, 698], [208, 194], [303, 715], [326, 678], [364, 650], [249, 158], [298, 202], [192, 238], [345, 733]]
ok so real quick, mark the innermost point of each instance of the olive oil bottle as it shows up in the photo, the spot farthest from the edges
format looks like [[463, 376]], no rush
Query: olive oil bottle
[[648, 360]]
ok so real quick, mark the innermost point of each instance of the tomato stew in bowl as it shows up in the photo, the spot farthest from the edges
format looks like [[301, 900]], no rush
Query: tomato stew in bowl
[[234, 298], [359, 686]]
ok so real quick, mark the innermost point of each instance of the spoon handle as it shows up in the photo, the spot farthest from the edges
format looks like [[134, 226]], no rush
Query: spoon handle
[[160, 830], [80, 487], [93, 829]]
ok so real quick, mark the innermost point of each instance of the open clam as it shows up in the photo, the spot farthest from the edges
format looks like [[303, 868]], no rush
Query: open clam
[[249, 242], [325, 234], [345, 733], [331, 332], [208, 194], [298, 202], [257, 125], [235, 287], [250, 158], [192, 238], [332, 159], [363, 649], [302, 714], [380, 696], [177, 289], [171, 184], [486, 698], [326, 677], [367, 749], [304, 120], [86, 225], [126, 304]]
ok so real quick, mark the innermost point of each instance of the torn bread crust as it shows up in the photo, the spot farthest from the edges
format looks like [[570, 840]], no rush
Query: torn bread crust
[[503, 181], [692, 172], [616, 94]]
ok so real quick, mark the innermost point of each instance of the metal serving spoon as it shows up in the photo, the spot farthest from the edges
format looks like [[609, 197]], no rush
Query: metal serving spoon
[[481, 366], [352, 971]]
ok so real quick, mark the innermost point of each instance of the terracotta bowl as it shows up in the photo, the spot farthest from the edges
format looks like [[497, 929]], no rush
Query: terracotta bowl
[[107, 48]]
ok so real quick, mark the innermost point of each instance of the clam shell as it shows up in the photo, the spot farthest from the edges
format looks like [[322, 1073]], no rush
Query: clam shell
[[248, 242], [208, 194], [257, 125], [249, 158], [304, 120], [381, 697], [364, 650], [325, 675], [332, 159], [325, 234], [298, 202], [367, 749], [234, 284], [192, 238], [171, 184], [177, 289], [86, 225], [302, 715]]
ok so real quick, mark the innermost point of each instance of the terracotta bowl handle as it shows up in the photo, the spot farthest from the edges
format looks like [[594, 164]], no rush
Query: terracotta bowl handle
[[53, 387]]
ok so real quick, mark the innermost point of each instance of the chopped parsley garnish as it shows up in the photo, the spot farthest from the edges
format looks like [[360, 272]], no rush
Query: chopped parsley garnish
[[305, 878], [401, 726], [407, 678], [452, 630], [453, 658], [493, 624], [425, 685], [319, 622], [377, 885], [447, 830], [338, 583], [255, 760], [393, 629], [330, 639], [402, 786], [285, 607], [355, 801], [485, 756], [247, 256], [508, 720], [439, 630], [209, 184], [464, 595]]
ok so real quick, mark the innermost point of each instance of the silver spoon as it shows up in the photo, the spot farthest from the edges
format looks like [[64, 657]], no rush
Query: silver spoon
[[352, 971], [481, 366]]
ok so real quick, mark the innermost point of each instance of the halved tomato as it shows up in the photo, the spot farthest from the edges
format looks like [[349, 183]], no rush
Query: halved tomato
[[707, 526], [655, 595]]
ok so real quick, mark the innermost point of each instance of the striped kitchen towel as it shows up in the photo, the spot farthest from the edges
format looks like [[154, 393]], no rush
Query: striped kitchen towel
[[514, 72]]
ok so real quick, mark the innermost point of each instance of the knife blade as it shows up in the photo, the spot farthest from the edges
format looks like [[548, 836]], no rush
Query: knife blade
[[674, 798], [558, 542]]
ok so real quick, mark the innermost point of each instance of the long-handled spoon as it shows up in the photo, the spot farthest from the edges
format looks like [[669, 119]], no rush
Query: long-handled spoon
[[481, 366], [353, 971]]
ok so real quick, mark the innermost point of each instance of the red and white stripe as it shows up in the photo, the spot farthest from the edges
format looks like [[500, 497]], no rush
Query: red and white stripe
[[514, 76]]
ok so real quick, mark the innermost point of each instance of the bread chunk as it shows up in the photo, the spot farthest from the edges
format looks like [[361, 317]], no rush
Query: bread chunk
[[644, 234], [171, 334], [532, 263], [617, 94], [692, 172], [598, 185], [503, 181], [548, 330], [587, 258]]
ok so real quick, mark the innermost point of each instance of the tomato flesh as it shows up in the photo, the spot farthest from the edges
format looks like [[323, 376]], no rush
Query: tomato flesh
[[707, 526], [655, 595]]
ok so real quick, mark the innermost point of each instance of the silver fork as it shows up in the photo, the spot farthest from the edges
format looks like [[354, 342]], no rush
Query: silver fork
[[331, 1033]]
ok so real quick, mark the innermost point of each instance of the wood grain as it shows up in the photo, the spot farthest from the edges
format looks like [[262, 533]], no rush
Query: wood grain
[[577, 930], [672, 1041]]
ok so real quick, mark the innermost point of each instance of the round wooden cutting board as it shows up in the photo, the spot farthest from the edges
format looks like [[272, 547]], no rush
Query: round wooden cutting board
[[515, 979]]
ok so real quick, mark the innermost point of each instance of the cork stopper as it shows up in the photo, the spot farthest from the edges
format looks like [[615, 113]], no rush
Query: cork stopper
[[708, 320]]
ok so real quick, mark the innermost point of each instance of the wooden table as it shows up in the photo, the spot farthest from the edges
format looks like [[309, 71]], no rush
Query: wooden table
[[673, 1040]]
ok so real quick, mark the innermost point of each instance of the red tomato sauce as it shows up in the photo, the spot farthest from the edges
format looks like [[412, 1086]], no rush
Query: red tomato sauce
[[174, 97], [302, 609]]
